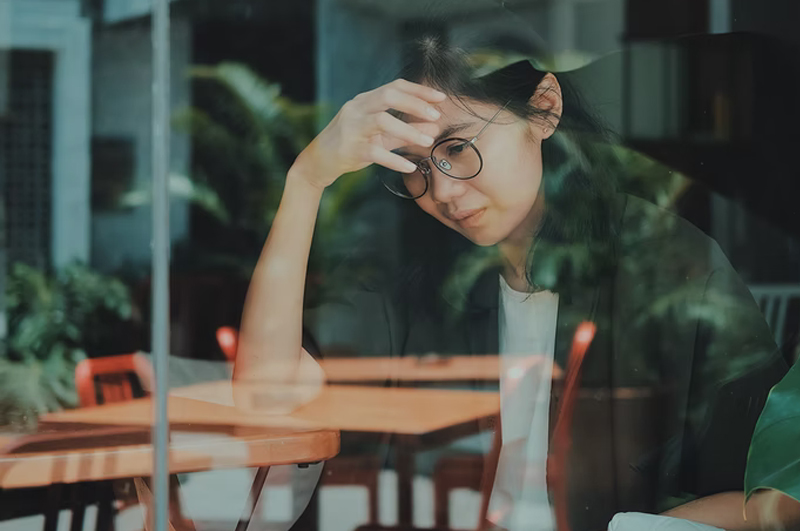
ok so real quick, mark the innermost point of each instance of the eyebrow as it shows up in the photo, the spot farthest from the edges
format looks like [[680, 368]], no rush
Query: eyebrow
[[446, 132]]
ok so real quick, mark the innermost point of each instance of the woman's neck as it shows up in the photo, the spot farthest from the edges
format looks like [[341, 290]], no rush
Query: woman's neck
[[516, 247], [514, 267]]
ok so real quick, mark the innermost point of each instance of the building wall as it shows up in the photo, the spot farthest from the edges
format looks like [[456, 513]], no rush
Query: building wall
[[121, 109], [122, 10], [57, 27]]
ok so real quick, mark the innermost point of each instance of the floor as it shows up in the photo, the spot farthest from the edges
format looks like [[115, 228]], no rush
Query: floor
[[217, 497]]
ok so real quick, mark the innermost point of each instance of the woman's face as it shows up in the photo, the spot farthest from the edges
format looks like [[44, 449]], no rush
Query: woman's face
[[500, 203]]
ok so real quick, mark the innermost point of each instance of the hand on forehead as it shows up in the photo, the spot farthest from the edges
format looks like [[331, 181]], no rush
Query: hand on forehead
[[457, 118]]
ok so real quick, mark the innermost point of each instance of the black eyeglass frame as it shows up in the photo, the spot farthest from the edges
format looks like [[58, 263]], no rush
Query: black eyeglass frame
[[425, 169]]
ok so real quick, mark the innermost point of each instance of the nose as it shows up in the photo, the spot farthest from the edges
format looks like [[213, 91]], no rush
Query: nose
[[443, 187]]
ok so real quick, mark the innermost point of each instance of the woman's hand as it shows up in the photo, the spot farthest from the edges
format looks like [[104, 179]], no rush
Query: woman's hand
[[363, 132]]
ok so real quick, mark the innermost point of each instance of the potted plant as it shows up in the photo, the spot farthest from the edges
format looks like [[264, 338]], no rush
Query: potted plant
[[51, 321]]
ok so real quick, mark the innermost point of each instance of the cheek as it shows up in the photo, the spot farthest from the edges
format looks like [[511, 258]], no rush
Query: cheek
[[514, 184]]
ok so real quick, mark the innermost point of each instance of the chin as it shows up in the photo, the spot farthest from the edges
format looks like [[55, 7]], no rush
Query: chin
[[481, 238]]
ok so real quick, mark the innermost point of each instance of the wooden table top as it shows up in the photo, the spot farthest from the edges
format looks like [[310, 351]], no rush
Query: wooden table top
[[401, 411], [102, 453], [412, 369]]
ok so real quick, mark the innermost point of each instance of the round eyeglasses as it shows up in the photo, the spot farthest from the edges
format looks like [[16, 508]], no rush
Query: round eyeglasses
[[458, 158]]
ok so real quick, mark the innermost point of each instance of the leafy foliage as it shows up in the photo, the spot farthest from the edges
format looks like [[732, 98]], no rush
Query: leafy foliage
[[51, 319], [245, 135], [774, 458]]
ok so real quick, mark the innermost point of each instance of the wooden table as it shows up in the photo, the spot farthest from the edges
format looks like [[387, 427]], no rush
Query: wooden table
[[96, 452], [81, 454], [416, 418], [412, 369]]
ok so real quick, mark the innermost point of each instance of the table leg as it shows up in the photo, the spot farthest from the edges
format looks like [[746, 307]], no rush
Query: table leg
[[252, 503], [78, 507], [53, 507], [105, 507], [405, 485]]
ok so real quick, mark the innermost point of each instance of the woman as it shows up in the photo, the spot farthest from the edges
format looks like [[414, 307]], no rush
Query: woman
[[523, 237]]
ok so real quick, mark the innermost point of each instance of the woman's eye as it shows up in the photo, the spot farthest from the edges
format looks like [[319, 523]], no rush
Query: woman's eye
[[457, 149]]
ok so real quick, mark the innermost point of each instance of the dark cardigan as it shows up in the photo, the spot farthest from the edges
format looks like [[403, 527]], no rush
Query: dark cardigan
[[673, 382]]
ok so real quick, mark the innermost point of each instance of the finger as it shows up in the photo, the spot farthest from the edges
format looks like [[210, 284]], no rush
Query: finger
[[390, 160], [421, 91], [427, 128], [401, 130], [390, 97]]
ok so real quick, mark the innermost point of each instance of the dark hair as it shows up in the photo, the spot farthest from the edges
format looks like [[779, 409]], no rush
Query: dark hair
[[575, 243]]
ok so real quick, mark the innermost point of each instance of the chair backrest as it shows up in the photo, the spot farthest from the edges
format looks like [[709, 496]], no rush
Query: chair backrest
[[561, 437], [774, 301], [228, 341], [113, 379]]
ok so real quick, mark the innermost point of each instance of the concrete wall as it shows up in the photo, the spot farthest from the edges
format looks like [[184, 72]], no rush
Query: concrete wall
[[121, 108], [356, 51], [57, 26], [122, 10]]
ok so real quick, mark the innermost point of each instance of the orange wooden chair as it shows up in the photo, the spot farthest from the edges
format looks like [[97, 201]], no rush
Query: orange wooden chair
[[113, 379], [562, 432], [228, 341], [339, 471], [117, 379], [478, 472]]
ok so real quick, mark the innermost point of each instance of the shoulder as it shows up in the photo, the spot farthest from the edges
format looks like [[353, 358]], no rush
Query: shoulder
[[661, 241], [643, 221]]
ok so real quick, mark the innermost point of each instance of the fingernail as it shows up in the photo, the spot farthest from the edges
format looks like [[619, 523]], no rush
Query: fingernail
[[426, 140], [410, 167], [433, 113]]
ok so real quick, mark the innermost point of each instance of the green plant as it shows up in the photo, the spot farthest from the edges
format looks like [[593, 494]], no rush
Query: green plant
[[774, 458], [51, 318], [245, 136]]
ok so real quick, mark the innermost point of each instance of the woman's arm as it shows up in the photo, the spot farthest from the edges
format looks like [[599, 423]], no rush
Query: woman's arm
[[737, 367], [271, 333], [362, 133], [766, 510]]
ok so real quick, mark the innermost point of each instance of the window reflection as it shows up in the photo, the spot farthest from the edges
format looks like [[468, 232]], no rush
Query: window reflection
[[341, 357]]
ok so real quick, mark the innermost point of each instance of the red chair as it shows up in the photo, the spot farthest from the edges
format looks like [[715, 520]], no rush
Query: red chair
[[117, 379], [113, 379], [478, 472], [339, 471], [562, 433], [228, 340]]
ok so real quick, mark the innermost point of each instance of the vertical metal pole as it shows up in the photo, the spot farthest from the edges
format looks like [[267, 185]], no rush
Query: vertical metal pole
[[5, 97], [160, 284]]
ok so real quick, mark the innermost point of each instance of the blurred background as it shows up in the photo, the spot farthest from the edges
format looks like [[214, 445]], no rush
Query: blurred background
[[702, 93]]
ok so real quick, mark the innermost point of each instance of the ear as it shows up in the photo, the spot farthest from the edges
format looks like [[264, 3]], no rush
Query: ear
[[547, 97]]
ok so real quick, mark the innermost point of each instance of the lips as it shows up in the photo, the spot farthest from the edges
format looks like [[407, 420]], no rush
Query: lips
[[458, 216], [469, 218]]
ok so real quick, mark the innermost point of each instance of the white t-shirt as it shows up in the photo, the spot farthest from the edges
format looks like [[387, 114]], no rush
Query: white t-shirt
[[527, 331]]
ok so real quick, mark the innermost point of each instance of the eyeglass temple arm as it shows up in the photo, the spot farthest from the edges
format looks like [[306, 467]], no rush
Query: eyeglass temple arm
[[474, 138]]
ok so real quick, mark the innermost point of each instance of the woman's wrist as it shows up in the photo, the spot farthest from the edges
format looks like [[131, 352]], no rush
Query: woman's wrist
[[305, 170], [300, 174]]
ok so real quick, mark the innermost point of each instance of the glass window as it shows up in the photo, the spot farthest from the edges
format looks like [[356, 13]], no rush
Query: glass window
[[436, 264]]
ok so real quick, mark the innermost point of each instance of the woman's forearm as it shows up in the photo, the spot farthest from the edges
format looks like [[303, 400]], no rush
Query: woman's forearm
[[270, 341], [766, 510]]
